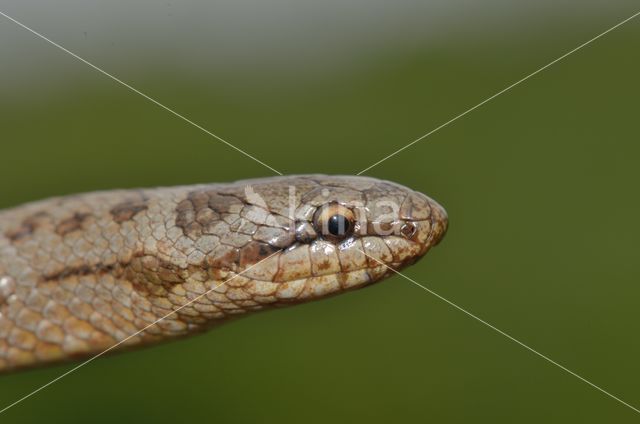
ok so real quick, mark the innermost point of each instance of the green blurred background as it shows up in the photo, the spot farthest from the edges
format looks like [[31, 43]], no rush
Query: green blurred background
[[541, 186]]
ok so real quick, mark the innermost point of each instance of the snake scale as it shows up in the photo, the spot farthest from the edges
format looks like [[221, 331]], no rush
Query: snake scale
[[81, 273]]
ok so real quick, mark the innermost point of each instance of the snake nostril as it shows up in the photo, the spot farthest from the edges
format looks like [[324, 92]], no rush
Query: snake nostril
[[408, 230]]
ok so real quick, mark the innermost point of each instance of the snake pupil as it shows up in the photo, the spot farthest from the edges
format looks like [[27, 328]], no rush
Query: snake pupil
[[338, 225]]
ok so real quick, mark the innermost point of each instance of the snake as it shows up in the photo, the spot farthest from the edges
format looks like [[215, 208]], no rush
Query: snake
[[84, 273]]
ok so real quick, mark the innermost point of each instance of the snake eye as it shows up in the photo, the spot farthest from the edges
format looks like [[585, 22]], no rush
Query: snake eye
[[338, 225], [334, 221]]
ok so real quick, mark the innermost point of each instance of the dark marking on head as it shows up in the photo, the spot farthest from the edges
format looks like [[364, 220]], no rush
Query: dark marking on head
[[228, 260], [19, 233], [202, 208], [81, 270], [415, 207], [254, 252], [324, 265], [27, 227], [71, 224], [125, 211], [224, 204], [186, 219]]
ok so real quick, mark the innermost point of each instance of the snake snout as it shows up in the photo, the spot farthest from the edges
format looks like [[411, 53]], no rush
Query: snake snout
[[420, 208], [439, 222]]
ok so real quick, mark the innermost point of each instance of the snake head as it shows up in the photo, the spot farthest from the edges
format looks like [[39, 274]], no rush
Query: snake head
[[84, 274], [328, 234]]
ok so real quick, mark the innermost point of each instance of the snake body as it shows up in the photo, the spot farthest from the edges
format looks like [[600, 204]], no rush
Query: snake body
[[81, 273]]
